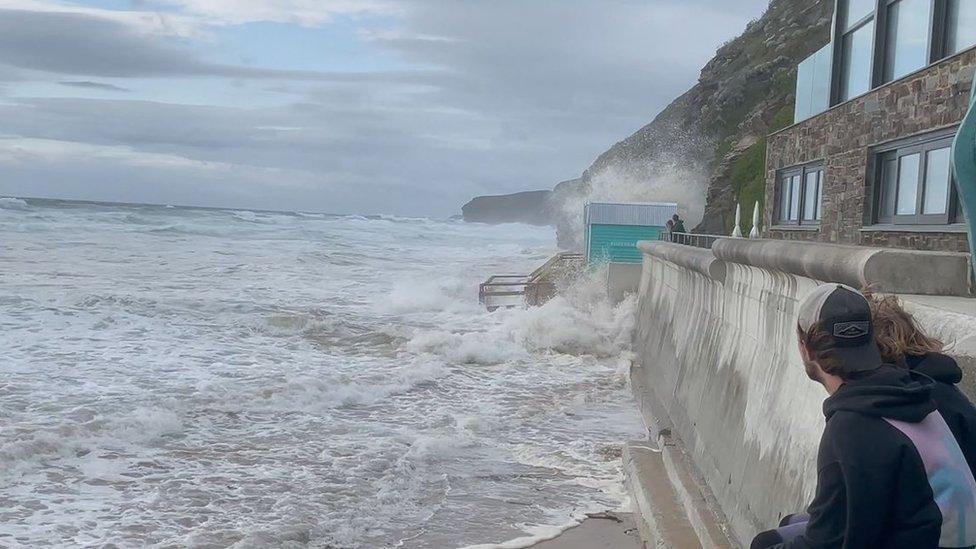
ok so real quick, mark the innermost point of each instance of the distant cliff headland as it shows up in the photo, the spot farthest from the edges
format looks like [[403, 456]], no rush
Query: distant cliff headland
[[706, 150], [531, 207]]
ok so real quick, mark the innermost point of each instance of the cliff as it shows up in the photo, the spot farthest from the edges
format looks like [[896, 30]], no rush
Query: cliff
[[706, 150], [531, 207]]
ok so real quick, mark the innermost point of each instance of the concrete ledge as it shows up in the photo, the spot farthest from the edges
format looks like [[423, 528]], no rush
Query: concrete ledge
[[669, 508], [883, 269], [697, 259]]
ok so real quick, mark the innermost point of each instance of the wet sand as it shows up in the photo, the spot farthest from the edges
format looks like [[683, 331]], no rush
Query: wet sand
[[609, 531]]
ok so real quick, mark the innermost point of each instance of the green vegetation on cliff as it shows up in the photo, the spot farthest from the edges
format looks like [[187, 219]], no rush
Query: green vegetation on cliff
[[748, 175]]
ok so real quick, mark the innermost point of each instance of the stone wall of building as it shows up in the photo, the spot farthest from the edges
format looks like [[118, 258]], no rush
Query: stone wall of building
[[843, 138]]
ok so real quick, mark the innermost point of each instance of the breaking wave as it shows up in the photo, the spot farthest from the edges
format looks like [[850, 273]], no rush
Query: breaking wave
[[7, 203], [215, 378]]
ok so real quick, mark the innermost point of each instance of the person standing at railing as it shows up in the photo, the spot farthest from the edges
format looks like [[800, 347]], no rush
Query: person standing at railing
[[670, 227], [678, 224]]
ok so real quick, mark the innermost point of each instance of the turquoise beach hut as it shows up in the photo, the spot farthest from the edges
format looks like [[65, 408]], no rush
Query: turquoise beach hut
[[613, 230]]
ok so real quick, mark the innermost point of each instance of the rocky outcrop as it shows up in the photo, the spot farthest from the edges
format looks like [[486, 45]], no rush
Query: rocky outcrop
[[531, 207], [706, 150]]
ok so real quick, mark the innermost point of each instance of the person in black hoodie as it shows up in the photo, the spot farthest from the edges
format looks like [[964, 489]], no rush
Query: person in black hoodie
[[903, 343], [890, 473]]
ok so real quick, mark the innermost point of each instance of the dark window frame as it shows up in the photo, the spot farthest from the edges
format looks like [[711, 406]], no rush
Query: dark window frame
[[881, 67], [893, 152], [785, 176], [843, 29]]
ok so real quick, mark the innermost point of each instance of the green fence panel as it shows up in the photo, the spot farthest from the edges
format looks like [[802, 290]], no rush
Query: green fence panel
[[618, 243]]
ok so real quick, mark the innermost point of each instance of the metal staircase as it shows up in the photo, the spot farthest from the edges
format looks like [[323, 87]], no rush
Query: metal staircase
[[533, 289]]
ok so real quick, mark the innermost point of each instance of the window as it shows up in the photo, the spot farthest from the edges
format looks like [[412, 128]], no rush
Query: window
[[906, 196], [813, 85], [915, 183], [907, 37], [800, 192], [811, 193], [878, 41], [856, 54], [960, 25], [938, 181], [857, 10]]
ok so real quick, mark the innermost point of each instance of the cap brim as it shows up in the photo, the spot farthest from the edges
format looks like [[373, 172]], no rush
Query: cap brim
[[860, 359]]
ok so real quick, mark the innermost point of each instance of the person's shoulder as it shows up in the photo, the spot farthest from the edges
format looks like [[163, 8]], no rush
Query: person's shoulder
[[845, 422], [863, 440], [952, 402], [938, 366]]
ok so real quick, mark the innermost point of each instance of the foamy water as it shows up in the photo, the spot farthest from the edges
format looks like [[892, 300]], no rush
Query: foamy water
[[182, 377]]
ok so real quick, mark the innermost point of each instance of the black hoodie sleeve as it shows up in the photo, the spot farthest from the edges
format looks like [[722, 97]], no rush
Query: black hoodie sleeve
[[845, 511]]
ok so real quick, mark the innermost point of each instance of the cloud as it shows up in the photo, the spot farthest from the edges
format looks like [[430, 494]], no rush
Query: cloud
[[148, 22], [302, 12], [19, 150], [509, 95], [86, 45], [86, 84]]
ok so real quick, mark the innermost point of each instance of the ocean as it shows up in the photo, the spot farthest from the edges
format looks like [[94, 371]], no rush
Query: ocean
[[177, 377]]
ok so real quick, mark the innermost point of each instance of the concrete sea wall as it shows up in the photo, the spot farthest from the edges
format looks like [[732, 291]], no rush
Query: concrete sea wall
[[718, 369]]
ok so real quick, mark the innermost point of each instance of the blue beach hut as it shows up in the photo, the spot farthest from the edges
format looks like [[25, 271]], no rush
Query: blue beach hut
[[613, 230]]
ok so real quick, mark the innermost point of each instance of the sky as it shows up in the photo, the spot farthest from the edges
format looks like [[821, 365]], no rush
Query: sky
[[404, 107]]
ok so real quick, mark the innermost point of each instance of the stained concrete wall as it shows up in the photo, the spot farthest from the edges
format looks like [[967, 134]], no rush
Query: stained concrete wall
[[622, 280], [718, 366]]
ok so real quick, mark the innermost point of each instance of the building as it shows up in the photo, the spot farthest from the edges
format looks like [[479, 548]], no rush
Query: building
[[613, 230], [867, 161]]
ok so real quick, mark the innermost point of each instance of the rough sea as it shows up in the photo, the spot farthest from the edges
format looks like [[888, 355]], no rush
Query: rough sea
[[174, 377]]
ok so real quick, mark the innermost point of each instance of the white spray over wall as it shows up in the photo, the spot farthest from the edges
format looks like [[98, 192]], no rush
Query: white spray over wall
[[663, 180]]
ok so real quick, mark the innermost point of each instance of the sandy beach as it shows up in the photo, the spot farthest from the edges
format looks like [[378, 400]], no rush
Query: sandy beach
[[610, 531]]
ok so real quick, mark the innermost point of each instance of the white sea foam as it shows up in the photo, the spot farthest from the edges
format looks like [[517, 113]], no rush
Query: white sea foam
[[177, 377], [537, 534], [8, 203], [245, 215], [664, 179]]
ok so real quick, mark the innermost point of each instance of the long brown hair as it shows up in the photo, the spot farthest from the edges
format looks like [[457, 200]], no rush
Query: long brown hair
[[896, 330]]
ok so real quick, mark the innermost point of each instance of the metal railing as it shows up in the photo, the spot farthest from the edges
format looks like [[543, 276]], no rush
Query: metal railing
[[532, 289], [691, 239]]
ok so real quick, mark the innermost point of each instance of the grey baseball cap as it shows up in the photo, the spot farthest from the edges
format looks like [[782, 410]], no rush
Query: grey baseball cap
[[846, 315]]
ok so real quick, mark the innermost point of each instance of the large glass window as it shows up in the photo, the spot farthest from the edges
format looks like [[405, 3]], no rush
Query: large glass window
[[907, 37], [907, 196], [856, 10], [783, 190], [915, 184], [800, 192], [813, 85], [795, 198], [789, 199], [857, 49], [937, 181], [811, 194], [961, 25], [889, 175]]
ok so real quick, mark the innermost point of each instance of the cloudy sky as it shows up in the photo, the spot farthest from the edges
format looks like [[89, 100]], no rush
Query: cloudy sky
[[408, 107]]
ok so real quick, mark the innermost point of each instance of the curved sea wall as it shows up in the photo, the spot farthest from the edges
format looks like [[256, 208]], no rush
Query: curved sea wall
[[718, 369]]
